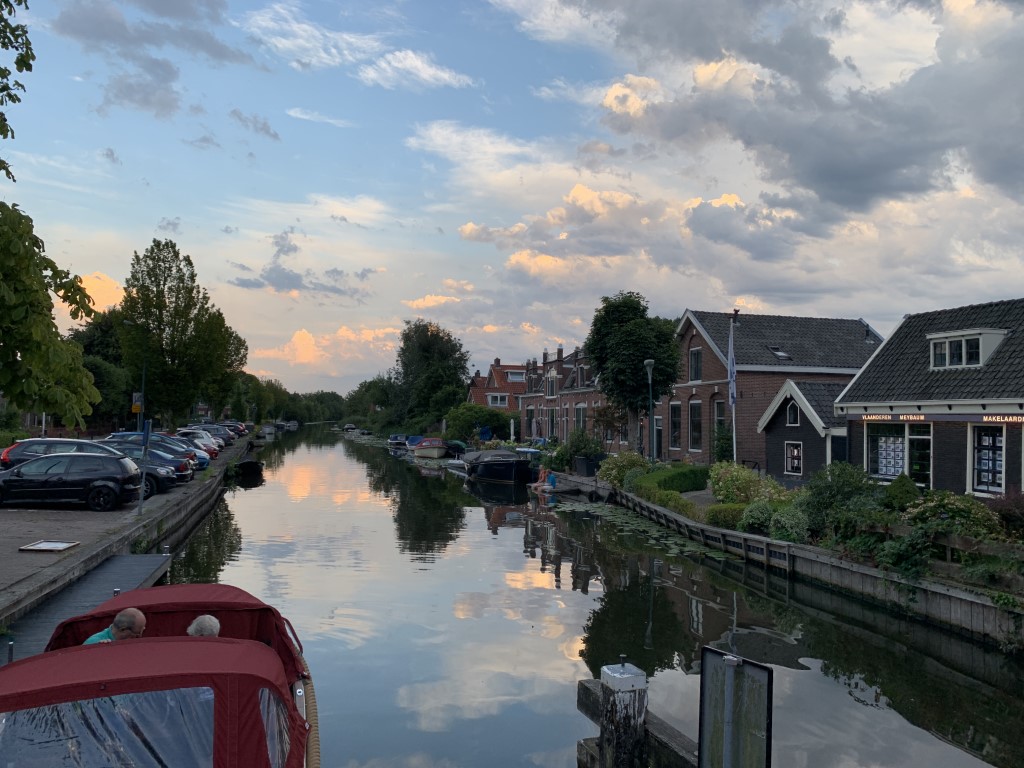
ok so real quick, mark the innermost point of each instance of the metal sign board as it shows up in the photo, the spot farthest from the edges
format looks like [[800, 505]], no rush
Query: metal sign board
[[136, 402], [735, 712]]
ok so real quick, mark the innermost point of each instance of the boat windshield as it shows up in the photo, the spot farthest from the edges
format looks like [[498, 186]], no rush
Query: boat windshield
[[153, 728]]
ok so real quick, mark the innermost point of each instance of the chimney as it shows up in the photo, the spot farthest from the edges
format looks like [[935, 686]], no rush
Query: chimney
[[497, 361], [559, 351], [545, 354]]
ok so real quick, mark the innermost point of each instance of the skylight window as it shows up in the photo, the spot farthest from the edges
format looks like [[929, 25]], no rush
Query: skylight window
[[780, 353]]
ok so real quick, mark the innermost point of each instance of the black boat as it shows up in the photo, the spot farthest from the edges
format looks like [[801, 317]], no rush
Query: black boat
[[497, 466]]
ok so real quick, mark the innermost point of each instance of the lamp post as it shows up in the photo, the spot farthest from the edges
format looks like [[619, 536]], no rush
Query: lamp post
[[649, 365]]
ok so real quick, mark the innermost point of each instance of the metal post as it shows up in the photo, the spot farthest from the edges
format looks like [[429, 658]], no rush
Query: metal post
[[649, 365]]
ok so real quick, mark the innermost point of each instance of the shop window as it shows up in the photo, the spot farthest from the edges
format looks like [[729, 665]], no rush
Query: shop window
[[886, 446], [988, 459], [919, 459]]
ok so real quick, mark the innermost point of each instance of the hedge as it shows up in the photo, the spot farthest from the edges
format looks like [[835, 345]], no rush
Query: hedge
[[724, 515], [662, 487]]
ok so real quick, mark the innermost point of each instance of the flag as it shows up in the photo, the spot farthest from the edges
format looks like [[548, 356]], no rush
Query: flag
[[732, 370]]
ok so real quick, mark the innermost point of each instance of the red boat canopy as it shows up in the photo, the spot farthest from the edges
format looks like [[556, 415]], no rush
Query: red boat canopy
[[197, 701], [170, 609]]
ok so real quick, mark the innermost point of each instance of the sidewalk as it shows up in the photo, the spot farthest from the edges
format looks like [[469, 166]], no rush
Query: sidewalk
[[28, 578]]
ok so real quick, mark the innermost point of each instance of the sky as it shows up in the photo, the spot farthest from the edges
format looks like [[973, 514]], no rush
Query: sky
[[335, 169]]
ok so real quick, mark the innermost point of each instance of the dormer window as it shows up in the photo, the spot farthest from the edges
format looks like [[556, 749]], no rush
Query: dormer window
[[963, 349], [780, 353], [792, 415], [515, 375]]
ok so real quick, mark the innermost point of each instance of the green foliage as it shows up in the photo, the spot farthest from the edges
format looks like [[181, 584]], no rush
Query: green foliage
[[558, 460], [721, 443], [789, 523], [9, 436], [465, 421], [724, 515], [580, 443], [757, 517], [683, 478], [906, 555], [621, 337], [39, 370], [736, 484], [838, 494], [1010, 509], [630, 478], [647, 486], [13, 37], [900, 493], [952, 513], [613, 469], [431, 370]]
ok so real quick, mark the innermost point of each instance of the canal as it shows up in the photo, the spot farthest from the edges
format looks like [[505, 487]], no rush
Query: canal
[[446, 630]]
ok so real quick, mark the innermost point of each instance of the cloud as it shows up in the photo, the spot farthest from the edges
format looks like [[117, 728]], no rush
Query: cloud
[[301, 349], [429, 301], [410, 69], [283, 29], [206, 141], [315, 117], [254, 123], [104, 290], [110, 156], [172, 226]]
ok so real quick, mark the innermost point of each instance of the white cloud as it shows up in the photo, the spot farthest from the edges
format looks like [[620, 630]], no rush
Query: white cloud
[[410, 69], [315, 117]]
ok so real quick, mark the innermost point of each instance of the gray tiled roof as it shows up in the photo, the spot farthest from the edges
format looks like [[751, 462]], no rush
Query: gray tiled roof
[[901, 372], [821, 396], [811, 342]]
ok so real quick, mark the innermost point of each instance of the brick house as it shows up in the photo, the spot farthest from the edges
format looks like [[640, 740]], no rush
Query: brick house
[[802, 434], [499, 388], [943, 401], [560, 395], [769, 350]]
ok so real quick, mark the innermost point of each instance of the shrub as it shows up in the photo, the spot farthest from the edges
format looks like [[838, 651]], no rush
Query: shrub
[[757, 517], [907, 555], [736, 484], [630, 478], [613, 469], [900, 493], [839, 495], [789, 523], [724, 515], [1010, 509], [683, 478], [948, 512], [579, 443]]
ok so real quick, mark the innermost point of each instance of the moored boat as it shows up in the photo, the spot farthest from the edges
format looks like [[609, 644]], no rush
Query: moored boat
[[497, 465], [165, 698], [430, 448]]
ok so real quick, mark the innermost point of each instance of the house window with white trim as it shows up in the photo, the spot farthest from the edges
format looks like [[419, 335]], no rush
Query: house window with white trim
[[919, 454], [720, 414], [695, 426], [581, 416], [551, 383], [517, 376], [988, 458], [675, 425], [497, 401], [962, 352], [695, 365], [794, 458], [792, 414]]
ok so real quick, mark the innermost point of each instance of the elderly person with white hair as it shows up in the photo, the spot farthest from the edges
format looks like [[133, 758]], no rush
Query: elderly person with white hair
[[204, 626]]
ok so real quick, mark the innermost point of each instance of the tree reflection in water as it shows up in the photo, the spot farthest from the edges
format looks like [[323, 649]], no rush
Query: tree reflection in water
[[214, 543]]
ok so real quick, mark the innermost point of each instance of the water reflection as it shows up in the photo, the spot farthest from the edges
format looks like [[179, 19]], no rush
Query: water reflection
[[216, 542], [446, 626]]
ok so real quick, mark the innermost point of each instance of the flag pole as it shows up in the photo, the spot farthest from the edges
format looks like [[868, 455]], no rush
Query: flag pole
[[732, 382]]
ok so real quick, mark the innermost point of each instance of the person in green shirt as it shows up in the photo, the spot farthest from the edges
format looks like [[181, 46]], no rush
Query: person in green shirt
[[127, 624]]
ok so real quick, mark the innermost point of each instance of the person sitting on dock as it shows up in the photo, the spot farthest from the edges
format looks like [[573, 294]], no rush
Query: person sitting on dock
[[204, 626], [544, 479], [128, 624]]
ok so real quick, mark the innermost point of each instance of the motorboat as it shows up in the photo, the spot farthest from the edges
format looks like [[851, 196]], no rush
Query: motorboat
[[498, 465], [242, 698], [396, 442], [430, 448], [455, 467]]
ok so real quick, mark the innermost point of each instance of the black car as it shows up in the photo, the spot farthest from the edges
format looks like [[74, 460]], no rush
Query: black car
[[180, 467], [102, 481], [174, 447], [30, 448]]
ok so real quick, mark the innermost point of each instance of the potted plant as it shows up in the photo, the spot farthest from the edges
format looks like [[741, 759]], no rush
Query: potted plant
[[586, 452]]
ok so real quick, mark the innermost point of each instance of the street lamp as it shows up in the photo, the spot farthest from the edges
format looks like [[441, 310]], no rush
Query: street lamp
[[649, 365]]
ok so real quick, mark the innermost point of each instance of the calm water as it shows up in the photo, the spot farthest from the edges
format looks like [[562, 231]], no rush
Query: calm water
[[447, 630]]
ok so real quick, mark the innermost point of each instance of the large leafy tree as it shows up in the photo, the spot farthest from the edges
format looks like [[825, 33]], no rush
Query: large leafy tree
[[171, 332], [623, 335], [430, 374], [38, 369], [14, 39]]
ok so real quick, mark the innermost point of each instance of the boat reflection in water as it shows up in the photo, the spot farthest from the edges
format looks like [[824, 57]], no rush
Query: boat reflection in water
[[498, 493]]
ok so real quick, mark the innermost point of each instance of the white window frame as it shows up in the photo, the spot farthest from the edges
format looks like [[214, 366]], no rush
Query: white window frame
[[675, 407], [580, 422], [978, 472], [689, 424], [517, 376], [792, 414], [497, 400], [799, 456]]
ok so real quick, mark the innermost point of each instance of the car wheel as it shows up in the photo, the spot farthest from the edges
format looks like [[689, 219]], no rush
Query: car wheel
[[101, 498], [151, 486]]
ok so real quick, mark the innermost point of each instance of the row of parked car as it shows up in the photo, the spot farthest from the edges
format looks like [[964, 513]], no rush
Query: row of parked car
[[106, 473]]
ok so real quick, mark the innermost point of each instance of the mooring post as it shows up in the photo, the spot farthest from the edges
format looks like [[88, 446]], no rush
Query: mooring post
[[623, 740]]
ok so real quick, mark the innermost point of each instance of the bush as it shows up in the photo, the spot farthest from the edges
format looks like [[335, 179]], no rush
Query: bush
[[630, 478], [952, 513], [900, 493], [757, 517], [613, 469], [1010, 509], [839, 495], [579, 443], [736, 484], [789, 523], [683, 478], [9, 437], [724, 515]]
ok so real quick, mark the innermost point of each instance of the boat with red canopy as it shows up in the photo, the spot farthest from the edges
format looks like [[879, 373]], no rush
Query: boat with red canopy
[[243, 698]]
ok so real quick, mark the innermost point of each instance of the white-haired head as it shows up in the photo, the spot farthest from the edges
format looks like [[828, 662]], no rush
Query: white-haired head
[[204, 626]]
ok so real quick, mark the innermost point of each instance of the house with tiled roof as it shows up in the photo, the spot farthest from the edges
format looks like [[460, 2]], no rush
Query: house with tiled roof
[[942, 400], [500, 387], [769, 350], [801, 432]]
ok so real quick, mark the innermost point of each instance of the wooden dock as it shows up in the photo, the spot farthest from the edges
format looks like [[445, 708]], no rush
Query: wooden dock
[[32, 631]]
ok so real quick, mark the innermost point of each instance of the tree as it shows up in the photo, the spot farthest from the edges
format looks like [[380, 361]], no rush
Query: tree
[[38, 369], [430, 361], [171, 331], [621, 337], [464, 421], [13, 37]]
